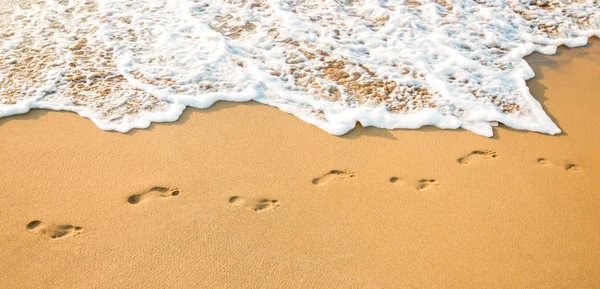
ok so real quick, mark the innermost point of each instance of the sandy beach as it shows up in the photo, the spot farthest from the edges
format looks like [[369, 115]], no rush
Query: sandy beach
[[242, 195]]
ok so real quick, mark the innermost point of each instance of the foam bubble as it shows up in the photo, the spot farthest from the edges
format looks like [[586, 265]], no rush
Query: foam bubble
[[389, 64]]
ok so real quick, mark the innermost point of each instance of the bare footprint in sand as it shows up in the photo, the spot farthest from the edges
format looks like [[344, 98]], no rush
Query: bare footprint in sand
[[485, 154], [333, 174], [153, 193], [397, 181], [567, 166], [426, 184], [571, 167], [420, 185], [257, 205], [54, 232], [543, 161]]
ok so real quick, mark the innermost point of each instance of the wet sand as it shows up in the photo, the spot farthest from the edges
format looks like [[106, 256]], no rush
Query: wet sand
[[246, 196]]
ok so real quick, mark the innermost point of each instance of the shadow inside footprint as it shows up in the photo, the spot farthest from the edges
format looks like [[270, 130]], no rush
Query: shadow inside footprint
[[485, 154], [257, 205], [571, 167], [53, 231], [542, 161], [153, 193], [331, 175], [33, 224], [397, 181]]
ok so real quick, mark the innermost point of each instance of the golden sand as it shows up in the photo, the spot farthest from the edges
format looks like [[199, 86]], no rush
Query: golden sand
[[246, 196]]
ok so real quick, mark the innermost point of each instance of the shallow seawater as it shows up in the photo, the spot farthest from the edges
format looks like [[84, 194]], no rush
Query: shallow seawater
[[390, 64]]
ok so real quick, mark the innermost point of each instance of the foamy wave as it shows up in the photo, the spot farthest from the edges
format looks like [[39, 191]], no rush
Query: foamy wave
[[389, 64]]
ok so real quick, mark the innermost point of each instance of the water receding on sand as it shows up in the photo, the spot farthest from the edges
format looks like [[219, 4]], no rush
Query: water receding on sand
[[391, 64]]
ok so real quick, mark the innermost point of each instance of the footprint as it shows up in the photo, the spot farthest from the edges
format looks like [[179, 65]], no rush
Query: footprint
[[153, 193], [396, 180], [326, 178], [426, 184], [543, 161], [420, 185], [568, 166], [485, 154], [257, 205], [571, 167], [53, 231]]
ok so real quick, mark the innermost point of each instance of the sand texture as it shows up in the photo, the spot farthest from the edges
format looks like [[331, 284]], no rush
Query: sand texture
[[246, 196]]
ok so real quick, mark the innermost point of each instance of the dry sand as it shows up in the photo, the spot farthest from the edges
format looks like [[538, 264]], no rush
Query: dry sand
[[246, 196]]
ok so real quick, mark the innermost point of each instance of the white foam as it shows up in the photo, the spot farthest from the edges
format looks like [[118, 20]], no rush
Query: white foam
[[389, 64]]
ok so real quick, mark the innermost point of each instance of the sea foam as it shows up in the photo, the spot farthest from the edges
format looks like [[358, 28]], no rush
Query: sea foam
[[390, 64]]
